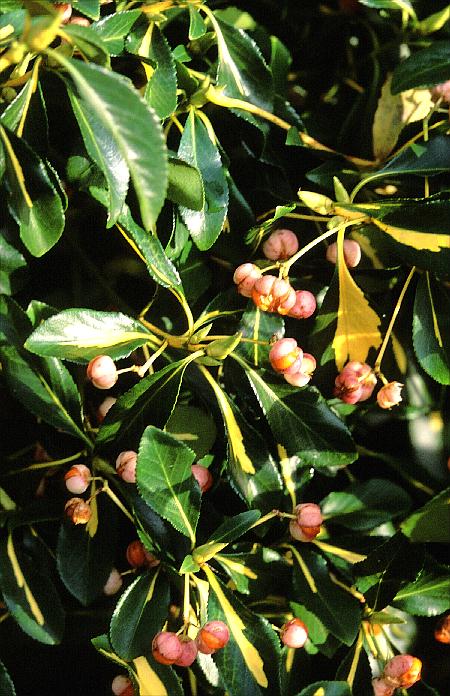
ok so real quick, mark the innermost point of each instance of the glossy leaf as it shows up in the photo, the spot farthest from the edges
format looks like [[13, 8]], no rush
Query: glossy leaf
[[425, 68], [114, 28], [139, 140], [429, 595], [33, 201], [185, 185], [165, 480], [90, 8], [302, 422], [82, 334], [140, 614], [28, 591], [153, 678], [89, 44], [12, 268], [249, 663], [431, 522], [197, 26], [327, 688], [230, 530], [161, 89], [317, 633], [258, 326], [193, 426], [431, 326], [197, 149]]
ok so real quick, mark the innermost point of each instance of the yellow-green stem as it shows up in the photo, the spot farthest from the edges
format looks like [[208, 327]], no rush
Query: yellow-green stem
[[106, 489], [354, 665], [303, 567]]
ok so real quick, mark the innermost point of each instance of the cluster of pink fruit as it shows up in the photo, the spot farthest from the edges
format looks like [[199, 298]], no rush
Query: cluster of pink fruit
[[171, 649], [356, 383], [289, 360], [400, 672]]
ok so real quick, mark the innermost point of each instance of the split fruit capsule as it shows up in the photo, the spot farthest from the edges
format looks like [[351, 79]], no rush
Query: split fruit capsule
[[78, 510], [286, 356], [402, 671], [213, 636], [122, 686], [77, 478], [390, 395], [245, 276], [272, 294], [126, 466], [280, 245], [307, 524], [139, 557], [166, 648], [294, 633]]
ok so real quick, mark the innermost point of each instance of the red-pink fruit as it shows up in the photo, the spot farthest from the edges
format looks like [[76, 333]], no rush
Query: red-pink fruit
[[126, 466], [166, 648], [104, 407], [307, 525], [441, 90], [286, 356], [213, 636], [294, 633], [442, 630], [78, 510], [102, 372], [390, 395], [113, 583], [80, 21], [272, 294], [189, 652], [381, 688], [245, 276], [402, 671], [122, 686], [77, 478], [138, 556], [280, 245], [305, 305], [301, 379], [65, 10], [355, 382], [352, 253], [203, 477]]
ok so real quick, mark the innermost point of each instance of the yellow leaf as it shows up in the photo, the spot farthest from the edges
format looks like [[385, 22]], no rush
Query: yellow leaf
[[317, 202], [207, 551], [250, 654], [367, 248], [357, 324], [148, 680], [422, 241]]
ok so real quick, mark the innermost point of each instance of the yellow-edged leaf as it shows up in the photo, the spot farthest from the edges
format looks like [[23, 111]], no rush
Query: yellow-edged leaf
[[316, 201], [251, 656], [17, 168], [148, 680], [357, 323], [288, 466], [20, 579], [237, 567], [422, 241]]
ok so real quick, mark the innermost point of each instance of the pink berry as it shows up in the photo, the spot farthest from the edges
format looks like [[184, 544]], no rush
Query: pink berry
[[390, 395], [307, 525], [166, 648], [213, 636], [203, 477], [442, 630], [113, 583], [380, 688], [122, 686], [286, 356], [352, 253], [104, 407], [77, 478], [355, 382], [245, 276], [78, 510], [65, 10], [281, 245], [126, 466], [189, 652], [402, 671], [80, 21], [102, 372], [301, 379], [272, 294], [441, 90], [139, 557], [294, 633], [305, 305]]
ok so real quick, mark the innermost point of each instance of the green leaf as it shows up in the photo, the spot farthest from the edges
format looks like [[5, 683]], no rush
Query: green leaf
[[161, 90], [185, 185], [255, 234], [28, 591], [364, 506], [140, 612], [327, 688], [89, 44], [431, 522], [193, 426], [6, 684], [12, 268], [242, 71], [258, 326], [114, 28], [152, 398], [102, 149], [338, 611], [249, 663], [33, 200], [317, 633], [426, 68], [139, 140], [82, 334], [90, 8], [197, 26], [431, 326], [12, 114], [165, 480], [230, 530], [85, 553], [429, 595], [197, 149], [301, 422]]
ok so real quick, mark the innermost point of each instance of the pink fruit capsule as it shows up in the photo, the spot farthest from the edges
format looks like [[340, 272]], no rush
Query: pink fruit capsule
[[272, 294], [307, 525], [245, 276], [286, 356], [126, 466], [102, 372], [77, 478], [166, 647], [189, 652], [203, 477], [113, 583], [352, 253], [122, 686], [78, 510], [390, 395], [305, 305], [213, 636], [280, 245], [402, 671], [294, 633]]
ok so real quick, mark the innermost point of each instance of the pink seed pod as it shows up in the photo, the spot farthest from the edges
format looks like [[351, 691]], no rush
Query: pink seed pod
[[203, 477], [126, 466], [286, 356], [213, 636], [272, 294], [189, 652], [441, 90], [122, 686], [166, 648], [102, 372], [307, 525], [390, 395], [355, 382], [280, 245], [77, 478], [80, 21], [381, 688], [347, 389], [104, 407], [402, 671], [294, 633], [352, 253], [442, 630], [113, 583], [245, 276], [139, 557], [65, 10], [305, 305], [301, 379], [78, 510]]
